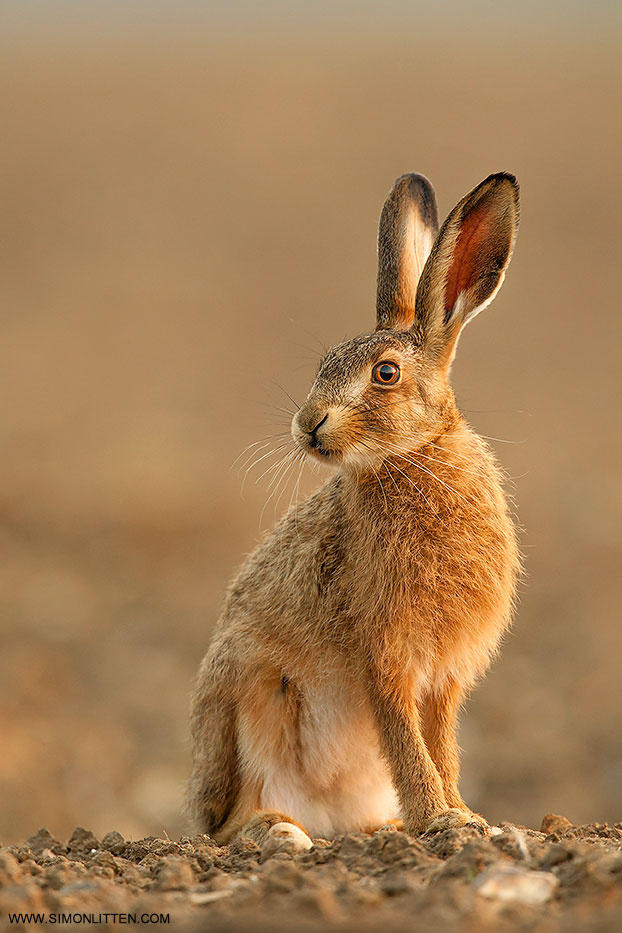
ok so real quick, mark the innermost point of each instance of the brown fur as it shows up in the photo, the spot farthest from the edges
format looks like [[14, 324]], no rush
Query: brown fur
[[351, 635], [440, 710], [407, 229]]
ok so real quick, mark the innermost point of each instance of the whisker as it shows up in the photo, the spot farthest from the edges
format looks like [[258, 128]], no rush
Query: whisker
[[289, 459], [292, 400], [276, 476], [274, 469], [365, 407], [408, 478], [448, 463], [273, 450], [454, 466], [270, 407], [384, 495], [390, 475], [501, 440], [295, 492], [259, 460], [299, 457], [424, 469], [264, 442], [258, 446], [451, 488], [322, 345], [273, 466]]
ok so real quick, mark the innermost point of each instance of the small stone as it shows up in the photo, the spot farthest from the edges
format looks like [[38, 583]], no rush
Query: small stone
[[83, 894], [208, 897], [97, 872], [217, 879], [205, 856], [512, 885], [512, 842], [82, 842], [173, 873], [136, 851], [130, 873], [44, 840], [554, 823], [103, 859], [165, 847], [446, 843], [149, 862], [114, 842]]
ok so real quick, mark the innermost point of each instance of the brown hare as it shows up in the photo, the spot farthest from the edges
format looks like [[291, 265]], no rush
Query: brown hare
[[327, 701]]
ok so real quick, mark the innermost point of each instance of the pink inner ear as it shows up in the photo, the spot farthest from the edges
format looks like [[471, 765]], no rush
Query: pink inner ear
[[467, 254]]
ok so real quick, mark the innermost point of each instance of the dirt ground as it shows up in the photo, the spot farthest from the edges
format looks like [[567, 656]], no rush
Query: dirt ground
[[562, 878], [186, 217]]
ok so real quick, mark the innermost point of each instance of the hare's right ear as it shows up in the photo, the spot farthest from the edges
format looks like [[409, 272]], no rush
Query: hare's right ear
[[467, 264], [408, 228]]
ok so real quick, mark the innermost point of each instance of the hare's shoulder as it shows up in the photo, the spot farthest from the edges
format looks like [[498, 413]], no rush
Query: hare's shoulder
[[307, 525], [299, 559]]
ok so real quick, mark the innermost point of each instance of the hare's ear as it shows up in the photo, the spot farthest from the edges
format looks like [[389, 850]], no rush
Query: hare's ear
[[468, 261], [408, 227]]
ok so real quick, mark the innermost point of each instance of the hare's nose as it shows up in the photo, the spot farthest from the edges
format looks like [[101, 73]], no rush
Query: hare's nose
[[318, 425], [312, 432]]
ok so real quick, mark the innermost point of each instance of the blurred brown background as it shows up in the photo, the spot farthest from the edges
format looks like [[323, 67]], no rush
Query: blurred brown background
[[188, 211]]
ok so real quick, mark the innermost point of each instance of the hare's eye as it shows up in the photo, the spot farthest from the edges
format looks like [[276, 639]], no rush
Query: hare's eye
[[387, 374]]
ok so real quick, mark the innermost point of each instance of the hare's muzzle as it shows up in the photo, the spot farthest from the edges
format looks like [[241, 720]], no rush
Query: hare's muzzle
[[314, 441], [309, 430]]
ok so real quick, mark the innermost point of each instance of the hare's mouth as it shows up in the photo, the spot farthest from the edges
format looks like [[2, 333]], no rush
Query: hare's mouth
[[322, 453]]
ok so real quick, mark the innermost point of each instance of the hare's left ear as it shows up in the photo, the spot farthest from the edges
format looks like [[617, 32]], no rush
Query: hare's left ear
[[467, 264], [408, 227]]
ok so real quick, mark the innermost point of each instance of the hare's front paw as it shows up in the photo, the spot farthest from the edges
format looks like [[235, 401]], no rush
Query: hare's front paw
[[454, 819]]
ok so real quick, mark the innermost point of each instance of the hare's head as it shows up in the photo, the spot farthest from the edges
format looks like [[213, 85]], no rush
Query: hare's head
[[388, 392]]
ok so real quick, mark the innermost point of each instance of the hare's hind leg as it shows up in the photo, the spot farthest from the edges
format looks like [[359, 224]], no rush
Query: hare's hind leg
[[274, 831], [223, 800], [267, 717], [270, 829], [215, 784]]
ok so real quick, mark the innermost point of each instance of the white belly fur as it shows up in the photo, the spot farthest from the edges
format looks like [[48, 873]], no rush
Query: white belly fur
[[334, 780]]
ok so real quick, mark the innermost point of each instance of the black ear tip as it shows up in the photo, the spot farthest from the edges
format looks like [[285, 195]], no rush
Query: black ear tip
[[415, 189], [415, 182], [500, 178], [500, 183]]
